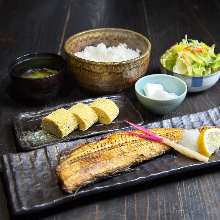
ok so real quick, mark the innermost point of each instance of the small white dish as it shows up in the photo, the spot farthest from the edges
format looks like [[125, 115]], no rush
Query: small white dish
[[170, 84]]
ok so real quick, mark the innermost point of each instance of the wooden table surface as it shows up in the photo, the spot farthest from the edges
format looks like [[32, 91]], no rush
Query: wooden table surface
[[44, 25]]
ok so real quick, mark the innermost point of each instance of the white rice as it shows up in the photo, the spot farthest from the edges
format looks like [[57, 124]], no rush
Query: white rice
[[111, 54], [189, 139]]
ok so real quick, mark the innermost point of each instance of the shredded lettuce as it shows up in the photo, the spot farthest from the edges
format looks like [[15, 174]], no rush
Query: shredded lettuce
[[191, 57], [180, 67]]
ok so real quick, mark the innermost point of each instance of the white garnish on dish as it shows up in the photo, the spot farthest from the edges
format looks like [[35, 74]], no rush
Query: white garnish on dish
[[189, 139], [156, 91]]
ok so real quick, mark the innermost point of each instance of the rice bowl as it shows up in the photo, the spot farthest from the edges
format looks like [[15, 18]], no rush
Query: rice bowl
[[107, 77]]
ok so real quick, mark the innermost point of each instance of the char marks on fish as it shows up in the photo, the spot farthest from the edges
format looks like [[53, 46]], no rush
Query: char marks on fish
[[112, 154]]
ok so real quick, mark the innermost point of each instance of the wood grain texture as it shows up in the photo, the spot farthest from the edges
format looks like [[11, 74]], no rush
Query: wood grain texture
[[43, 26]]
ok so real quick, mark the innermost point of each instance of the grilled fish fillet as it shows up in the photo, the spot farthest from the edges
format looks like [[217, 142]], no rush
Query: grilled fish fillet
[[114, 153]]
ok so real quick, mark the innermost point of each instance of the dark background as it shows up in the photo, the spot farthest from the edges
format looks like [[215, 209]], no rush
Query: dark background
[[44, 25]]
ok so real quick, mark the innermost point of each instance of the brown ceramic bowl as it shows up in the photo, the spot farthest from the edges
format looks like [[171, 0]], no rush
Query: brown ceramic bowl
[[107, 77], [37, 90]]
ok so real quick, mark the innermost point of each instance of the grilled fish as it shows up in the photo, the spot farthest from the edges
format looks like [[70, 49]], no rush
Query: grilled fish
[[112, 154]]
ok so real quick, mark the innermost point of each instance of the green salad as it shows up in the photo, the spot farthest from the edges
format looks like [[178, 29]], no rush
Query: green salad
[[191, 58]]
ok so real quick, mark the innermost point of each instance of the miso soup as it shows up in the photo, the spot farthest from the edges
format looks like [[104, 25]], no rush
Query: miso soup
[[38, 73]]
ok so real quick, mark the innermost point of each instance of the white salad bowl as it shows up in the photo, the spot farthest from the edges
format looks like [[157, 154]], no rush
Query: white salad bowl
[[194, 83]]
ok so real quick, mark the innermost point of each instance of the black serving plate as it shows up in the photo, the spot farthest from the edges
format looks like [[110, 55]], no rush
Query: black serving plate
[[31, 176], [30, 136]]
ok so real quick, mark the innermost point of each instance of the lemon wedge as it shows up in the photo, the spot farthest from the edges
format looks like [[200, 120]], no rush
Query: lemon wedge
[[209, 141]]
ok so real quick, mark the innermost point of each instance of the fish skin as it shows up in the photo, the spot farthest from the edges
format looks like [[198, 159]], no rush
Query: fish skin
[[112, 154]]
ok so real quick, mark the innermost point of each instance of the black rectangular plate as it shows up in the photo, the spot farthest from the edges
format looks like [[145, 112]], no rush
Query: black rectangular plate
[[31, 176], [30, 136]]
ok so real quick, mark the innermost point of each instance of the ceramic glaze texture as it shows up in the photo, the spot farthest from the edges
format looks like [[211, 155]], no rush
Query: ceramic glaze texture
[[103, 77], [22, 173]]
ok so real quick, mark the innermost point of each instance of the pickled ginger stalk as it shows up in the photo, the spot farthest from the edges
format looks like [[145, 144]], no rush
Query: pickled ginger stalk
[[153, 136]]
